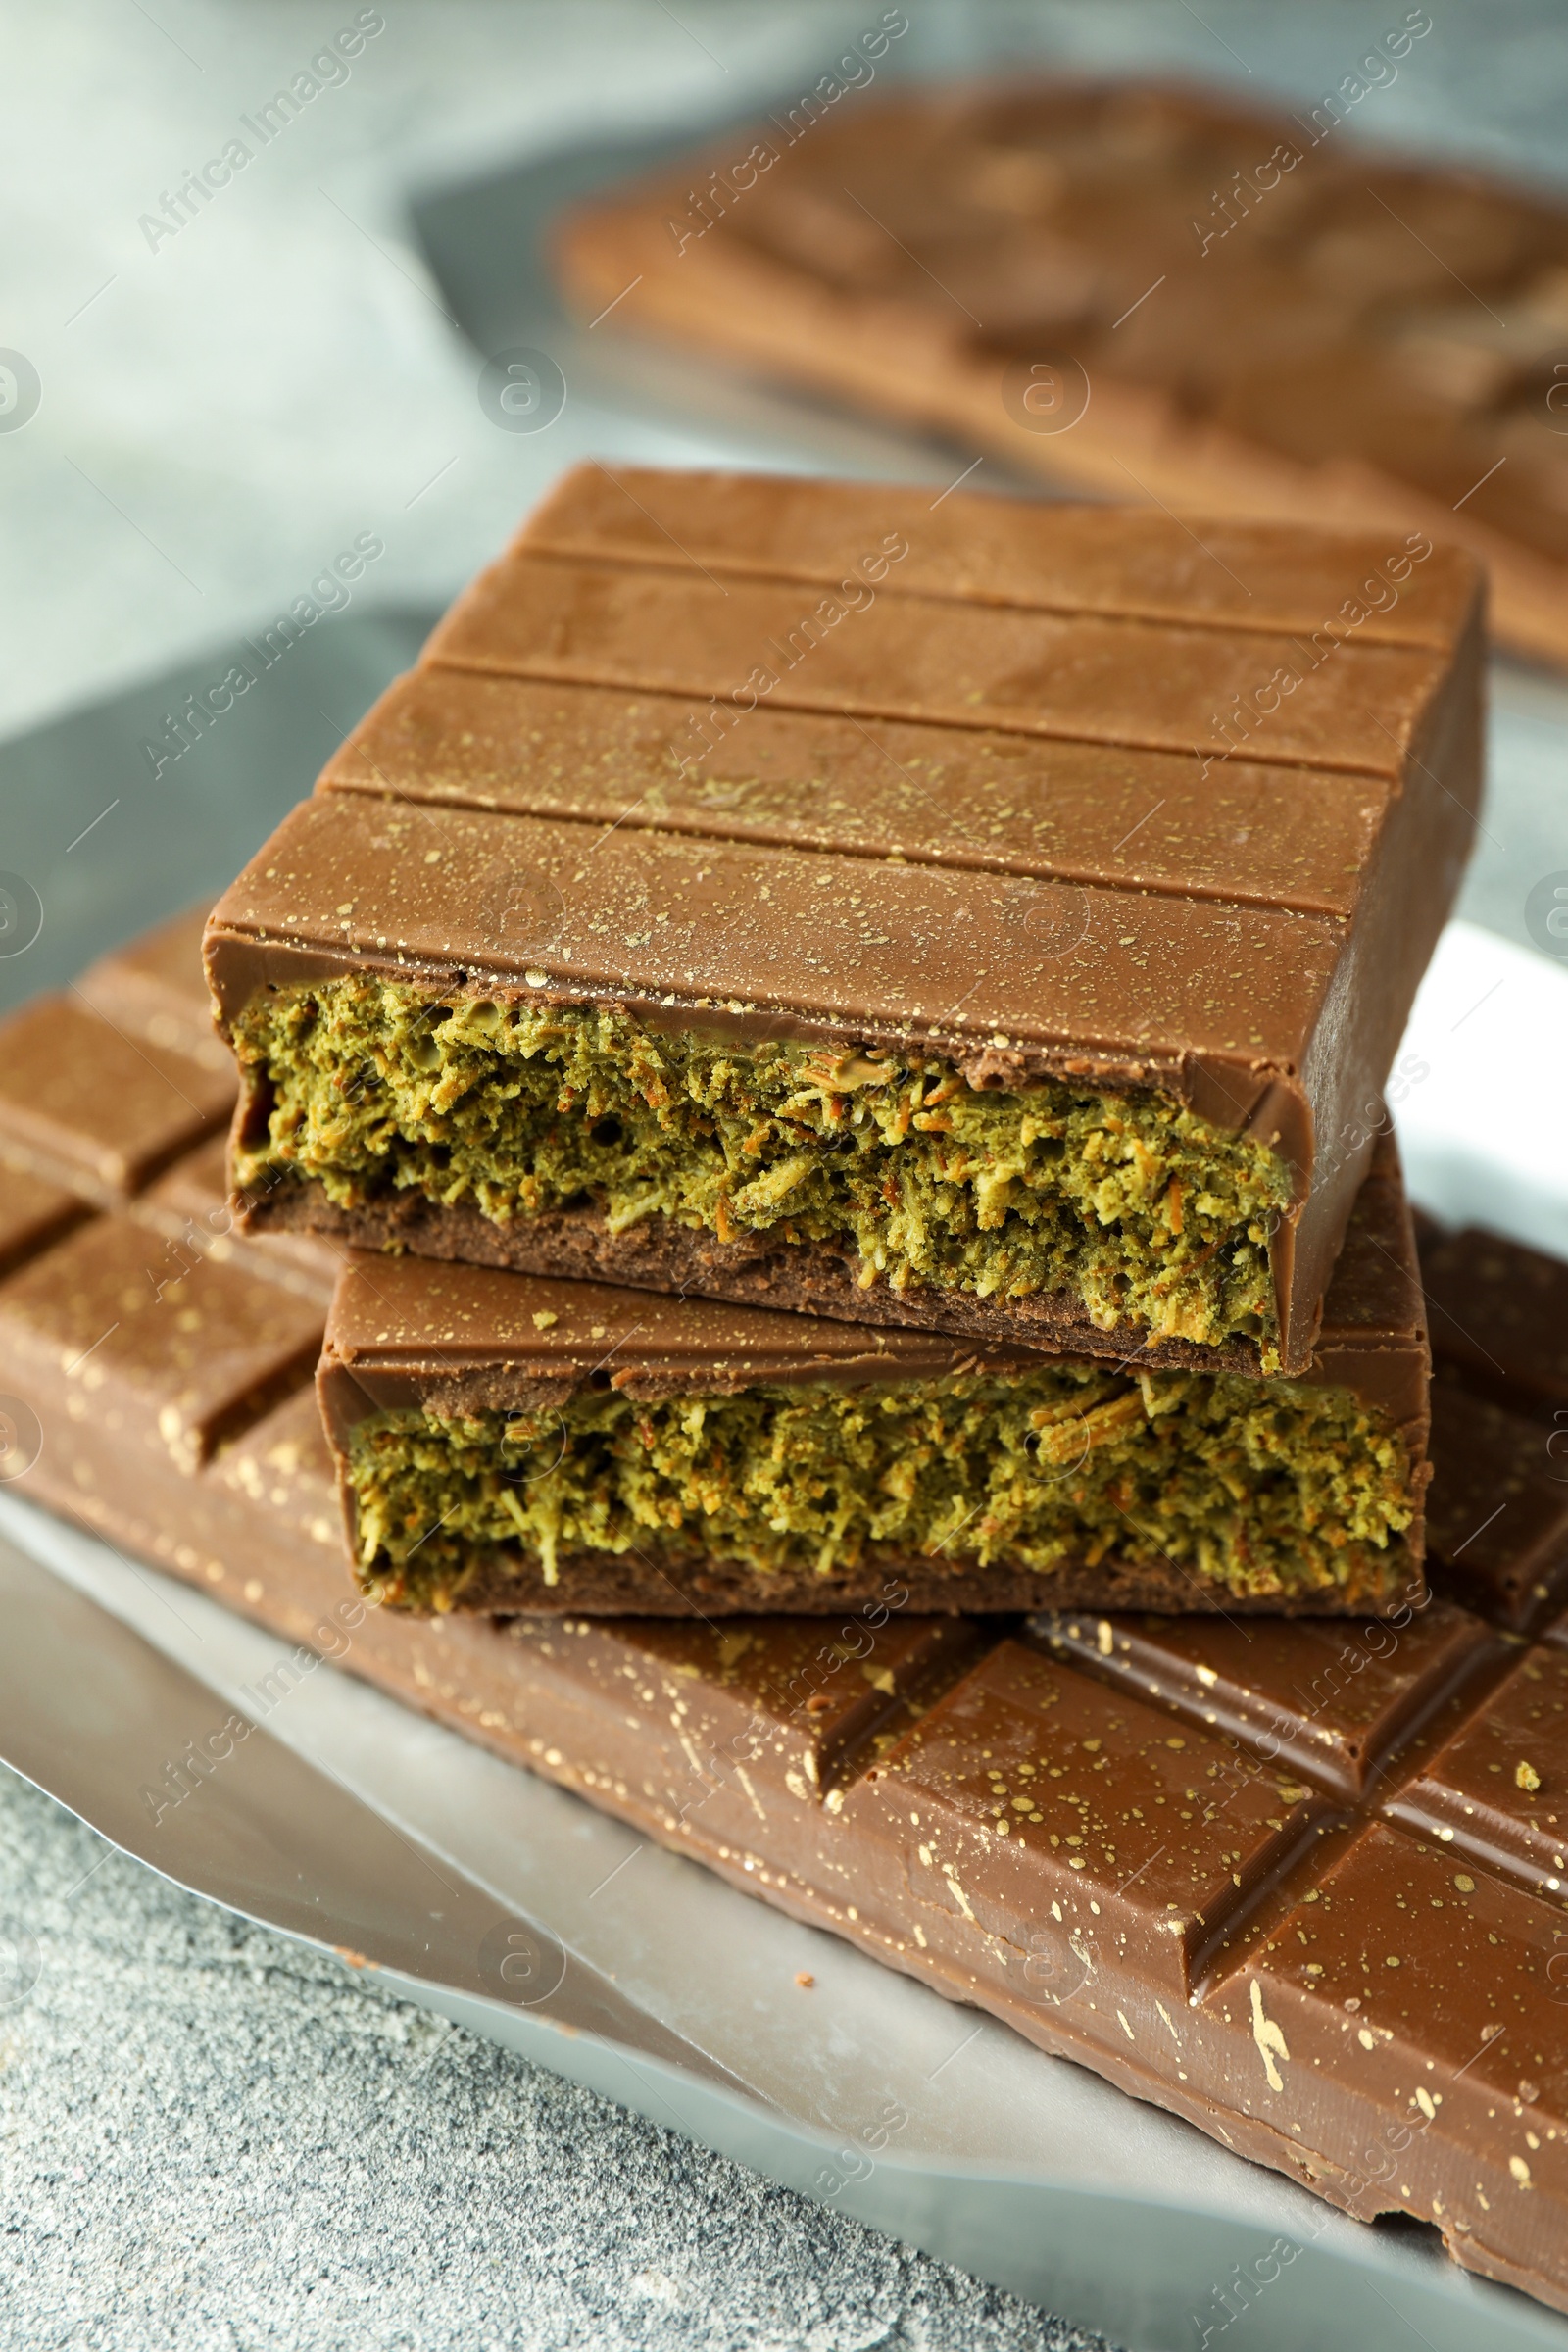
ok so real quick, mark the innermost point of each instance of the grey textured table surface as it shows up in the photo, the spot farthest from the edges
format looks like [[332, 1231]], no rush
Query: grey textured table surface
[[207, 2138], [211, 2138]]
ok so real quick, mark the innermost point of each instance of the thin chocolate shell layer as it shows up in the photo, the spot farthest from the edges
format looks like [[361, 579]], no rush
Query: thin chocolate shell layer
[[790, 890], [1143, 289], [1300, 1881]]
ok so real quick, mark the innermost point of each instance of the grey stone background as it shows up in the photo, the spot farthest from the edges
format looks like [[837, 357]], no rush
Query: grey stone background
[[209, 2138]]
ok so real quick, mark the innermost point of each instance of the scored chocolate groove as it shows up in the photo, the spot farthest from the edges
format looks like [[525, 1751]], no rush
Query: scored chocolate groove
[[1301, 1883]]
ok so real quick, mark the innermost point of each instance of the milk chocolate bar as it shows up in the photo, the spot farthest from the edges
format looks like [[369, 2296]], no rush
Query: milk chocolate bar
[[507, 1442], [1300, 1882], [969, 919], [1153, 292]]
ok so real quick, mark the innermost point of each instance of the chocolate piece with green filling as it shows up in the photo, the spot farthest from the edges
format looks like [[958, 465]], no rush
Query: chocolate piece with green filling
[[1012, 956], [511, 1442]]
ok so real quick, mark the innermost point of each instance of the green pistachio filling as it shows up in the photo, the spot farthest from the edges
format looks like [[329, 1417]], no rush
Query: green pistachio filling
[[1251, 1488], [1139, 1210]]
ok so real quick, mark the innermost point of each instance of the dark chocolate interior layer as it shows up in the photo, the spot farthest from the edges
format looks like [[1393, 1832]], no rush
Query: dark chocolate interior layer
[[1302, 1882], [577, 838], [1151, 290]]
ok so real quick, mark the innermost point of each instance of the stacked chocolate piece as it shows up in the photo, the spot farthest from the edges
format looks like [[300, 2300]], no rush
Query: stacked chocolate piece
[[783, 896], [808, 1072]]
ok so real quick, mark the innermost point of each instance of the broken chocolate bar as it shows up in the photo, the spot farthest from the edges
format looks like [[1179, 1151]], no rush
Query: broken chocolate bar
[[1303, 1883], [1155, 292], [959, 958], [507, 1443]]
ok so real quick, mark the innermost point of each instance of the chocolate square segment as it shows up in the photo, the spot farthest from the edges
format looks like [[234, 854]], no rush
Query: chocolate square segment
[[1083, 1807], [1329, 1699], [1497, 1521], [183, 1349], [508, 1442], [151, 988], [1497, 1789], [1430, 1989], [800, 1706], [1499, 1326], [91, 1106], [33, 1213], [967, 918]]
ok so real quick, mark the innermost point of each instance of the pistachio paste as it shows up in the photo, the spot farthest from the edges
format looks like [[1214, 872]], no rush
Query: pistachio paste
[[1251, 1488], [1136, 1209]]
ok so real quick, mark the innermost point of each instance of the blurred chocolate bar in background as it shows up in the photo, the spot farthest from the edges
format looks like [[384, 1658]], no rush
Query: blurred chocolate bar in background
[[1146, 290]]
